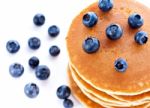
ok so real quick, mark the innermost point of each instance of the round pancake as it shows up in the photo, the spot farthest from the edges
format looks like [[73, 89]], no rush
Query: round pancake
[[98, 68], [141, 97], [85, 100], [101, 98], [118, 99], [95, 99]]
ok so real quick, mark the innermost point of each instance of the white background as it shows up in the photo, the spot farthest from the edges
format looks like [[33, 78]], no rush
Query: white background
[[16, 23]]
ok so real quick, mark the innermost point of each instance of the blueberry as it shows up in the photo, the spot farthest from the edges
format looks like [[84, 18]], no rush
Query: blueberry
[[34, 43], [39, 19], [42, 72], [91, 45], [16, 70], [141, 37], [54, 50], [68, 103], [31, 90], [33, 62], [90, 19], [135, 21], [121, 65], [63, 92], [105, 5], [114, 31], [12, 46], [53, 31]]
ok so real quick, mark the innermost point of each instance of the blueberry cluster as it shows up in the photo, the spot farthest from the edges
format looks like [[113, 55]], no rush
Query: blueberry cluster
[[113, 32], [63, 92], [42, 72]]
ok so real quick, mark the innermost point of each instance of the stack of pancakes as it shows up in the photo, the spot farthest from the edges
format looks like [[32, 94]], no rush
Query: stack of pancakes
[[93, 79]]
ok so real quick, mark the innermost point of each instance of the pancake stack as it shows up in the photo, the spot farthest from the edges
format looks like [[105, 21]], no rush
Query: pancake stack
[[93, 79]]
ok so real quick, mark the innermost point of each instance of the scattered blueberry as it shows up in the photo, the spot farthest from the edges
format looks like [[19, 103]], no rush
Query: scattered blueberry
[[90, 19], [68, 103], [135, 21], [54, 50], [121, 65], [16, 70], [114, 31], [91, 45], [39, 19], [12, 46], [63, 92], [33, 62], [53, 31], [105, 5], [141, 37], [42, 72], [31, 90], [34, 43]]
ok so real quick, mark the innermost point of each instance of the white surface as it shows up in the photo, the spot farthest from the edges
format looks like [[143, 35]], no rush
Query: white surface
[[16, 23]]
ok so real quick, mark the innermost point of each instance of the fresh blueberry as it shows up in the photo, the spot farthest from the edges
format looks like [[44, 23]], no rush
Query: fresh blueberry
[[105, 5], [135, 21], [63, 92], [141, 37], [53, 31], [91, 45], [54, 50], [31, 90], [33, 62], [39, 19], [68, 103], [90, 19], [114, 31], [121, 65], [16, 70], [42, 72], [34, 43], [12, 46]]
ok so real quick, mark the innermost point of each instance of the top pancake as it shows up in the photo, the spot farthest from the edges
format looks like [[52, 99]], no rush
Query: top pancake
[[98, 68]]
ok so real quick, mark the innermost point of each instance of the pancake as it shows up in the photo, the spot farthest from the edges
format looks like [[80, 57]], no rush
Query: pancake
[[98, 69], [95, 99], [141, 97], [84, 99], [87, 103], [104, 98], [111, 98]]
